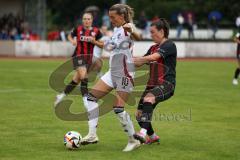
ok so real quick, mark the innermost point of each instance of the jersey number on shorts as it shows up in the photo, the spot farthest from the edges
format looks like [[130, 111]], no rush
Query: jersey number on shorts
[[125, 82]]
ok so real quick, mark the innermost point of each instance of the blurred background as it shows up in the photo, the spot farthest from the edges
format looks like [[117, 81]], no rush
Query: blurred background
[[201, 120], [214, 22]]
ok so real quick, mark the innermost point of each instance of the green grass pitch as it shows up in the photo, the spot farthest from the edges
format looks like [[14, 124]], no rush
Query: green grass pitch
[[201, 121]]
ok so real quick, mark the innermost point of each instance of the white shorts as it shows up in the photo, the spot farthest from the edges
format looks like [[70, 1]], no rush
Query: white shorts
[[97, 53], [123, 83]]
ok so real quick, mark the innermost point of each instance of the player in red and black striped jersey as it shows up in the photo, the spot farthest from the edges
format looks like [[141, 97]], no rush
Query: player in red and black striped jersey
[[84, 48], [237, 71], [161, 85], [84, 37]]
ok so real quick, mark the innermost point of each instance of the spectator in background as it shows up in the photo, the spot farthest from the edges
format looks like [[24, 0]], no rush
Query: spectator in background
[[190, 26], [213, 22], [53, 36], [3, 33], [14, 28], [62, 35], [142, 23], [26, 31], [155, 18], [105, 19], [180, 20], [57, 35], [13, 35]]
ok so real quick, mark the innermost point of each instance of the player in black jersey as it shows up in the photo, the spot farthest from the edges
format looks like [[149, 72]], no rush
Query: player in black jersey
[[161, 85], [237, 71], [84, 37]]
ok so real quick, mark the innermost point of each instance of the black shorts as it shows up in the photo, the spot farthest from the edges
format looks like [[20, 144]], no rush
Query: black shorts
[[161, 92], [79, 62]]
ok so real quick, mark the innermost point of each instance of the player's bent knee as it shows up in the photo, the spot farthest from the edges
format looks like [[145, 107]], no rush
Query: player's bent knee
[[149, 100]]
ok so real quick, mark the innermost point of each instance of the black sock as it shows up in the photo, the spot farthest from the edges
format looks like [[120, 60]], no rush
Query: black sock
[[147, 126], [84, 87], [69, 88], [150, 131], [236, 73], [145, 119]]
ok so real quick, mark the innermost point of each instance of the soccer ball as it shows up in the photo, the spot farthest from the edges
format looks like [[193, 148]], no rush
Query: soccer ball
[[72, 140]]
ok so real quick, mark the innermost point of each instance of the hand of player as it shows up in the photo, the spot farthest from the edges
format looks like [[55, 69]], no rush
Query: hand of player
[[137, 61], [92, 39], [128, 27]]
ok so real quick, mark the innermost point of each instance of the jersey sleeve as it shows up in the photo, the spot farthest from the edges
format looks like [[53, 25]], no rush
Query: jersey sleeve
[[148, 52], [166, 50], [99, 35], [74, 32]]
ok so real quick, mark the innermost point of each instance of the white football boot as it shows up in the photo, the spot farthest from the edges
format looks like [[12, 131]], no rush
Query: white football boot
[[132, 144], [89, 139], [235, 82], [59, 98]]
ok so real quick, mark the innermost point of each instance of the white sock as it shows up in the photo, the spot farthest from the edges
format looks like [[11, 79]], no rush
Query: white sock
[[143, 131], [93, 113], [85, 101], [126, 123], [62, 94]]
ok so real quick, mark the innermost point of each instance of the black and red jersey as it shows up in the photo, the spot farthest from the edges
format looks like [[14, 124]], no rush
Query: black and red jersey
[[164, 69], [84, 47]]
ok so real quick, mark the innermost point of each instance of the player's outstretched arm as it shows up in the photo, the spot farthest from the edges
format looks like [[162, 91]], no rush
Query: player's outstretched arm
[[139, 61]]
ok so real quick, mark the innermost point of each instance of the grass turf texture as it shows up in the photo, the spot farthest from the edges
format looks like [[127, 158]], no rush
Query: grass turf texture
[[200, 122]]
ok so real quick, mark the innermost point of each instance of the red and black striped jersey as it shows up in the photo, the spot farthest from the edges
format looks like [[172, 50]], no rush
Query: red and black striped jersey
[[84, 47], [164, 69]]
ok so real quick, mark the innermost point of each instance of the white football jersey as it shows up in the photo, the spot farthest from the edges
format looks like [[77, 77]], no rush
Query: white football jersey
[[121, 46]]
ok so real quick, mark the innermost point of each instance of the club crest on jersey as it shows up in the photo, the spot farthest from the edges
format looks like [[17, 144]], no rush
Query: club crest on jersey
[[80, 32], [93, 34]]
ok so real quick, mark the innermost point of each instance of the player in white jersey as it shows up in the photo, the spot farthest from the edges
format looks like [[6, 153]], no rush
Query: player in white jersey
[[119, 76], [97, 53]]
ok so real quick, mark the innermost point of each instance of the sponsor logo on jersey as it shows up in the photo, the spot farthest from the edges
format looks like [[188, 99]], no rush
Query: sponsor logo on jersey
[[85, 38]]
